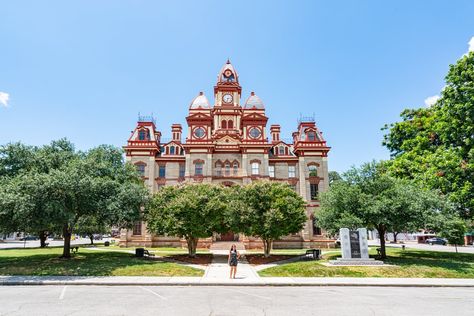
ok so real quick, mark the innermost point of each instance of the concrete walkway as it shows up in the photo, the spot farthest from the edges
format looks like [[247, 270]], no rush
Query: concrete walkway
[[219, 269]]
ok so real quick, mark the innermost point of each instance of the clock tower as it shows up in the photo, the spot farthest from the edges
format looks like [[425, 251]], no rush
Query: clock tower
[[227, 111]]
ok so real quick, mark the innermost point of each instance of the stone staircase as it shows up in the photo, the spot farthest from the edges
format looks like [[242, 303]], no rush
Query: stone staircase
[[225, 245]]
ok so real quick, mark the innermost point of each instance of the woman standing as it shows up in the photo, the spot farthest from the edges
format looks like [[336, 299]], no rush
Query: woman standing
[[234, 256]]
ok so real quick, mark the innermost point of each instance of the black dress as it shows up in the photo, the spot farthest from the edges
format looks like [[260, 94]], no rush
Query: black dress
[[233, 258]]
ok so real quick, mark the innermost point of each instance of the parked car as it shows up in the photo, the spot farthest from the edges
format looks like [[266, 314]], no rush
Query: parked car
[[436, 241], [97, 237], [29, 238]]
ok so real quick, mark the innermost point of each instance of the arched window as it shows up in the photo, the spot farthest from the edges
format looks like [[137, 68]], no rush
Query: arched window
[[313, 171], [227, 168], [311, 136], [172, 150], [236, 168], [141, 169], [198, 169], [224, 124], [281, 150], [230, 124], [255, 168], [218, 170]]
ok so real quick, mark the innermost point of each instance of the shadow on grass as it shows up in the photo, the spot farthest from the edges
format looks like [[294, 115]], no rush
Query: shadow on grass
[[86, 263]]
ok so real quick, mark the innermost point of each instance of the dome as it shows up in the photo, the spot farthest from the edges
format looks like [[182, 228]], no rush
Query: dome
[[254, 102], [228, 73], [200, 102]]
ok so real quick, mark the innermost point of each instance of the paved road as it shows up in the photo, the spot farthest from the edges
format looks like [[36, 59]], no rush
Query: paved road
[[154, 300], [52, 243], [414, 245]]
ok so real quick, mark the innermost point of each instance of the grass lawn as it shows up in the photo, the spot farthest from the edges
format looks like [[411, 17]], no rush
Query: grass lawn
[[406, 264], [87, 262]]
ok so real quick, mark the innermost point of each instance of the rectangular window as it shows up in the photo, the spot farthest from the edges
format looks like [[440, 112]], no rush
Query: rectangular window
[[141, 169], [162, 171], [316, 228], [281, 150], [314, 191], [291, 171], [182, 170], [255, 168], [236, 168], [137, 228], [227, 169], [198, 169], [271, 171]]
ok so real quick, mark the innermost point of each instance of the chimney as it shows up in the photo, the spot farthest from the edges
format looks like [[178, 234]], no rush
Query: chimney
[[275, 132], [176, 130]]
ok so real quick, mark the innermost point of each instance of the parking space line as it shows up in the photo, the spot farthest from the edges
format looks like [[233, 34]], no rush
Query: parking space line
[[246, 293], [63, 291], [154, 293]]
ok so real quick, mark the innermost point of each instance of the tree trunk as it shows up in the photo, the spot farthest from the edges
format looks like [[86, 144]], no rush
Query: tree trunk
[[42, 237], [456, 246], [395, 234], [67, 232], [192, 245], [381, 230], [91, 236], [267, 247]]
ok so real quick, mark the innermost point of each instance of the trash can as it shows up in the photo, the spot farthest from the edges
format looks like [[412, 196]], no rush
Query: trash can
[[140, 252], [106, 244]]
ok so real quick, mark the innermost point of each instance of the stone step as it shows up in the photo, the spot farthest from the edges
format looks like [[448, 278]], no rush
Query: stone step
[[225, 245]]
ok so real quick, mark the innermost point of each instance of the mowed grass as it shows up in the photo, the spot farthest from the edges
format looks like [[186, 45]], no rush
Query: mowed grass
[[159, 251], [406, 264], [86, 263]]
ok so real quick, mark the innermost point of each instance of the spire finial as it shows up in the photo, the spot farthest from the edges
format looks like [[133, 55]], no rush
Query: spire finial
[[228, 60]]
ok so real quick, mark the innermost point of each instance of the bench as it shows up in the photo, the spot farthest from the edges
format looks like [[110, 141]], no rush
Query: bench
[[379, 253], [313, 254], [149, 254]]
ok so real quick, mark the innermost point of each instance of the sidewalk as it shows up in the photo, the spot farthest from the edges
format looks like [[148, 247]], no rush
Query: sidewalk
[[217, 281]]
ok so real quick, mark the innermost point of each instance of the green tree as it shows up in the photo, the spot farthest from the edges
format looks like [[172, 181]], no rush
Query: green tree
[[190, 211], [270, 211], [334, 176], [61, 187], [90, 225], [435, 146], [453, 230], [368, 196]]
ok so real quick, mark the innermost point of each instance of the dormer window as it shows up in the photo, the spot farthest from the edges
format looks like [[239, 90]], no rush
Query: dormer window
[[311, 136], [281, 150], [172, 150], [143, 135]]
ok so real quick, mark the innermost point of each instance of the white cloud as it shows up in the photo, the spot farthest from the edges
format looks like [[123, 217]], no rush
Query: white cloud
[[429, 101], [471, 44], [4, 97]]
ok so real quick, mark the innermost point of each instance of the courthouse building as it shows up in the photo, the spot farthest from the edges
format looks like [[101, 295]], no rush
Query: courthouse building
[[228, 142]]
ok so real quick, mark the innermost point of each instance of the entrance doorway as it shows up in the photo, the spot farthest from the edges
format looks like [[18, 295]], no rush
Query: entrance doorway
[[229, 236]]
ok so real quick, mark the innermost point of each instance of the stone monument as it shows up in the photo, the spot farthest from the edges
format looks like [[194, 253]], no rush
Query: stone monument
[[355, 250]]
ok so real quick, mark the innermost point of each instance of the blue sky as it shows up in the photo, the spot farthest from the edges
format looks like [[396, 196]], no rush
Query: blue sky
[[84, 69]]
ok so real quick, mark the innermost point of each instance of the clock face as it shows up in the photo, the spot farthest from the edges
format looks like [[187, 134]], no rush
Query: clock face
[[227, 73], [254, 132], [227, 98], [199, 132]]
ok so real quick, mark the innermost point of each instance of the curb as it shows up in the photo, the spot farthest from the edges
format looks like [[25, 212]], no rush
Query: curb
[[275, 284]]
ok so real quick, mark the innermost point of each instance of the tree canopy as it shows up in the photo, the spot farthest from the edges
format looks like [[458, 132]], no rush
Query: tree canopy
[[434, 146], [190, 211], [369, 197], [54, 188], [270, 211]]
